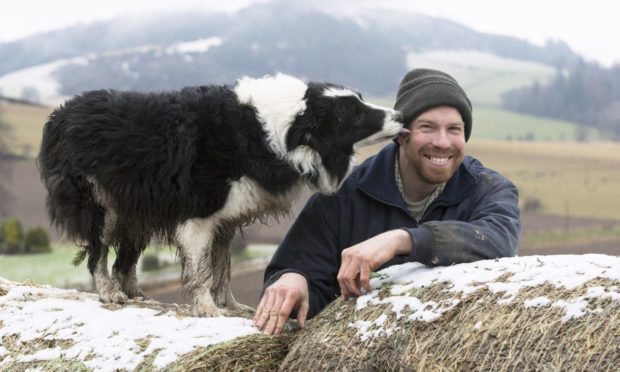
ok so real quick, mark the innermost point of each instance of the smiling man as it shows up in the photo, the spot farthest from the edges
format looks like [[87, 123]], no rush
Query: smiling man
[[419, 199]]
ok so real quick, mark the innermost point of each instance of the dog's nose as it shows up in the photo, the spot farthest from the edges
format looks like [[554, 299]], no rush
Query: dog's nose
[[398, 116]]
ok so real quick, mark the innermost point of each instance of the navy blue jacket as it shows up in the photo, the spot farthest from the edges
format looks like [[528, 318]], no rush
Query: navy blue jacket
[[475, 217]]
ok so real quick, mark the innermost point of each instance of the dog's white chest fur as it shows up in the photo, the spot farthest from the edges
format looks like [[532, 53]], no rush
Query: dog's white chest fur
[[248, 199]]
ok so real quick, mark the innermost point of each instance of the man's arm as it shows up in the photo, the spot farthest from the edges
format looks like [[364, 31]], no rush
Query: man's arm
[[493, 230], [310, 252]]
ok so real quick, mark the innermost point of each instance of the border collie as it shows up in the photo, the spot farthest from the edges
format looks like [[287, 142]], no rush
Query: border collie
[[191, 167]]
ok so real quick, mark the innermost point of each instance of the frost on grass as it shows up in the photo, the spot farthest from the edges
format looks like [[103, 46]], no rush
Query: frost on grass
[[43, 323]]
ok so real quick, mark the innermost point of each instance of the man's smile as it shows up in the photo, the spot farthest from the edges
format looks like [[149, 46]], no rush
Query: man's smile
[[438, 160]]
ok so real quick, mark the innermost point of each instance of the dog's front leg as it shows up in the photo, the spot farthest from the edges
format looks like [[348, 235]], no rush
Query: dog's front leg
[[196, 238], [221, 259]]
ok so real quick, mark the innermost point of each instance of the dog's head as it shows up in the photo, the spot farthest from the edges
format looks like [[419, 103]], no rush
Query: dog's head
[[318, 127]]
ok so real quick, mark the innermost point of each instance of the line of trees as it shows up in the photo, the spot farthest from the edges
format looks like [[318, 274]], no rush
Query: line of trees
[[587, 94]]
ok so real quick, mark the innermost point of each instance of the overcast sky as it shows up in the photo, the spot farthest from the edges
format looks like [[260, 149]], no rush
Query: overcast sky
[[589, 27]]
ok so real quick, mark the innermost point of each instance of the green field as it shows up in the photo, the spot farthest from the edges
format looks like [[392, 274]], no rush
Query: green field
[[56, 269]]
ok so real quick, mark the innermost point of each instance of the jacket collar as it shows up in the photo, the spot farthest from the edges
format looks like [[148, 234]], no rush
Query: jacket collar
[[376, 178]]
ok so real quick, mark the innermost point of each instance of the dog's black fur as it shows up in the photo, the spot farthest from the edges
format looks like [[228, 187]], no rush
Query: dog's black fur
[[123, 167]]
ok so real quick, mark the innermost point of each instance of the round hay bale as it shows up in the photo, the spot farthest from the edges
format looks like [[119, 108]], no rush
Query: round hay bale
[[249, 353], [528, 313]]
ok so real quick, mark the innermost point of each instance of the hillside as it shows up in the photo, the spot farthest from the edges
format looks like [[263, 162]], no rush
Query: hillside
[[483, 75], [159, 52]]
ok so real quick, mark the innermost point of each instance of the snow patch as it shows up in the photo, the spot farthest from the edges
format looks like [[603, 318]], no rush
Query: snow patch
[[504, 277], [106, 340], [197, 46]]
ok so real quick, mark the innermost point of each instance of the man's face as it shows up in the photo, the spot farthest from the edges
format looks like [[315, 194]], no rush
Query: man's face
[[436, 146]]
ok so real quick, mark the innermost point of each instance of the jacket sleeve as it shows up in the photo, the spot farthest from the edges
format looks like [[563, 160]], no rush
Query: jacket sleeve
[[310, 248], [493, 230]]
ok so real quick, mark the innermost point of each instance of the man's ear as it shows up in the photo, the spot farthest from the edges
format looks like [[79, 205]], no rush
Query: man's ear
[[403, 136]]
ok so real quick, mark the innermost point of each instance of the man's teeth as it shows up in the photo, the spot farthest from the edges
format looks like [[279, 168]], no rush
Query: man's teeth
[[438, 160]]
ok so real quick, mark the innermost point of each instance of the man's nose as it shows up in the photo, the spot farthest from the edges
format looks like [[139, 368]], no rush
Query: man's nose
[[441, 139]]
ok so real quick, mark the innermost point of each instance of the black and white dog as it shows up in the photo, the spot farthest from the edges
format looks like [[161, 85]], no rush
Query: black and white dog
[[191, 167]]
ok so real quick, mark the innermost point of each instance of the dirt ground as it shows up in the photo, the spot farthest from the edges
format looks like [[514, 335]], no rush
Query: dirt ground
[[28, 204]]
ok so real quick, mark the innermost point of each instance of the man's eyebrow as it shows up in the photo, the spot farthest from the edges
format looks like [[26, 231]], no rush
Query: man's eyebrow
[[430, 121]]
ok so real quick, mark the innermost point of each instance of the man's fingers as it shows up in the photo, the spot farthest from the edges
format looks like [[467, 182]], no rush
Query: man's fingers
[[274, 314], [343, 281], [365, 277], [263, 316], [348, 287], [284, 313]]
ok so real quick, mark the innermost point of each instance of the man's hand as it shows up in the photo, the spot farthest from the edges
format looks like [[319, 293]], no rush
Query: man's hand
[[289, 292], [361, 259]]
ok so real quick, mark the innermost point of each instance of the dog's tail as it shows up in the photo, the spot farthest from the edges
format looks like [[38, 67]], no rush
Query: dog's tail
[[71, 203]]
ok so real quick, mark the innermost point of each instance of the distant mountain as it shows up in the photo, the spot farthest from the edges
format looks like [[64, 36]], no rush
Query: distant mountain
[[370, 51]]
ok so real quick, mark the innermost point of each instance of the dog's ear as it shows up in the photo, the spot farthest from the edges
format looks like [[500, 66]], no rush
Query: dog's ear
[[301, 132], [298, 136]]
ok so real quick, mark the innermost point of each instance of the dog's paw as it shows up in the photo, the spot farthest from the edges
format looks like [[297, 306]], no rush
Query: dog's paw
[[201, 310], [115, 296], [135, 292], [238, 307], [246, 312]]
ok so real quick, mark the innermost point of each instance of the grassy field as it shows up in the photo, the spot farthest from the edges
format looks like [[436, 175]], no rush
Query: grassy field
[[567, 178], [56, 269]]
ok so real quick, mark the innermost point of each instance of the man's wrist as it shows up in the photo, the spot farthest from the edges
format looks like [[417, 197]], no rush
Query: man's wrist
[[404, 243]]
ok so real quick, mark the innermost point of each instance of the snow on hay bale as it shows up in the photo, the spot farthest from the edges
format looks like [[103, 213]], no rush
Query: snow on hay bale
[[527, 313], [57, 329], [541, 312]]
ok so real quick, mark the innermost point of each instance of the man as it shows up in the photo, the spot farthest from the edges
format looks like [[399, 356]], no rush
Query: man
[[420, 199]]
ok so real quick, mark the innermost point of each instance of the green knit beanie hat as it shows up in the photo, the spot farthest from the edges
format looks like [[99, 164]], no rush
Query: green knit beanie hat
[[422, 89]]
